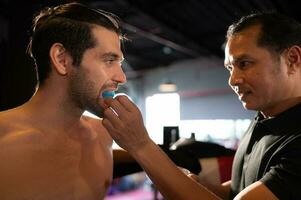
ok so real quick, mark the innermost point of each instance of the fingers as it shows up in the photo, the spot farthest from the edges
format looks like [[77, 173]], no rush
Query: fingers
[[111, 116], [124, 123], [107, 124], [122, 106], [126, 102], [118, 110], [110, 128]]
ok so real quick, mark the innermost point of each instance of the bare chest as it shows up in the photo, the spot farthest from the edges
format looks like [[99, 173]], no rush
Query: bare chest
[[56, 168]]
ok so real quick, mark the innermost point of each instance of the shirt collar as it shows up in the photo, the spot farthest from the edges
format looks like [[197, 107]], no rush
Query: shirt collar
[[286, 122]]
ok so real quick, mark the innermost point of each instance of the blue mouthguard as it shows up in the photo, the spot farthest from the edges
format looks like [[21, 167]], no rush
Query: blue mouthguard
[[108, 94]]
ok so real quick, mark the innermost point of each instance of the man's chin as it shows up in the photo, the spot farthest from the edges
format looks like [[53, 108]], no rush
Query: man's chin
[[248, 106]]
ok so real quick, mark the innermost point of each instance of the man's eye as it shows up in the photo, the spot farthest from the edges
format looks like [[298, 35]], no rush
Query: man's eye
[[229, 68], [243, 64], [109, 61], [113, 61]]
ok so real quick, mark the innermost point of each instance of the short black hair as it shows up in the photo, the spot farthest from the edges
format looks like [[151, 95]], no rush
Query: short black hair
[[69, 24], [278, 32]]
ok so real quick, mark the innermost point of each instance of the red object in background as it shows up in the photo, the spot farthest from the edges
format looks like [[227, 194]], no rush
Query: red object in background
[[225, 167]]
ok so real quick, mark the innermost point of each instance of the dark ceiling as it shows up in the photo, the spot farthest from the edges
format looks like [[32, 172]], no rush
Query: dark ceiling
[[163, 32], [160, 32]]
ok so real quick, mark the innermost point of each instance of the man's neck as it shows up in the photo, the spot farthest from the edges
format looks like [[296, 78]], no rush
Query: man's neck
[[53, 109], [281, 107]]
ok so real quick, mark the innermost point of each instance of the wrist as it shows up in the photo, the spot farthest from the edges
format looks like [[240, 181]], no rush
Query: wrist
[[143, 149]]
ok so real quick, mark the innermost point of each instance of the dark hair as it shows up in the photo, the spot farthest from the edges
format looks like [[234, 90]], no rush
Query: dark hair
[[278, 32], [69, 24]]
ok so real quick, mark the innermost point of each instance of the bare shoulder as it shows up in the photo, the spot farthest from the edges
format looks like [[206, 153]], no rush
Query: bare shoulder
[[9, 121], [15, 137], [97, 127]]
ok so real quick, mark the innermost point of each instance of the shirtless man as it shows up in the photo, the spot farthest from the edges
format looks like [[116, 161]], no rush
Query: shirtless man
[[48, 149]]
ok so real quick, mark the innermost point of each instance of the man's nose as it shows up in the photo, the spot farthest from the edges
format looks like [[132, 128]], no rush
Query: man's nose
[[120, 76], [235, 78]]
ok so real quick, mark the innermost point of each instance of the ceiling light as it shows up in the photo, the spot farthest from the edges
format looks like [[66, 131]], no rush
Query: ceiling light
[[168, 87]]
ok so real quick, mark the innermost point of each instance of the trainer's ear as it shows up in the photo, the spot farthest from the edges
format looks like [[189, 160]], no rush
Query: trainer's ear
[[293, 58], [59, 58]]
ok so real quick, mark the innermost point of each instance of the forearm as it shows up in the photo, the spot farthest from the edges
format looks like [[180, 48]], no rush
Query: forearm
[[221, 190], [170, 181]]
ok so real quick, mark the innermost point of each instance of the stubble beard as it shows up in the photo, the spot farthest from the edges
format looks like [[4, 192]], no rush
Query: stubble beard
[[83, 94]]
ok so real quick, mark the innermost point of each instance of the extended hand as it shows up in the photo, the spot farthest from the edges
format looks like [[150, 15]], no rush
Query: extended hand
[[124, 123]]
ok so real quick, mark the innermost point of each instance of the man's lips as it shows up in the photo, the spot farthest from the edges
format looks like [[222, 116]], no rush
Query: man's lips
[[242, 94]]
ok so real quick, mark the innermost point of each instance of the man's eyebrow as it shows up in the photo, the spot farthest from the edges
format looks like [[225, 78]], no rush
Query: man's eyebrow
[[112, 55], [236, 59]]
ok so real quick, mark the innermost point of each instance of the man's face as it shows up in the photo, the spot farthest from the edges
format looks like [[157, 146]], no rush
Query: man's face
[[259, 78], [100, 70]]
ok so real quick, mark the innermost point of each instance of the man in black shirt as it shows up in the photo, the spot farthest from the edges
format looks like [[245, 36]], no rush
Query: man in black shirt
[[263, 56], [270, 153]]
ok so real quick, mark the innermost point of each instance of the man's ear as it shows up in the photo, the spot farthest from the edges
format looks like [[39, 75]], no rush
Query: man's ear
[[59, 58], [293, 58]]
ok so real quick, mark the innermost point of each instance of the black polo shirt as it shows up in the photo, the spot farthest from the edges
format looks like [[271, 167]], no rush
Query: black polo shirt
[[270, 152]]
